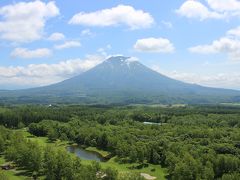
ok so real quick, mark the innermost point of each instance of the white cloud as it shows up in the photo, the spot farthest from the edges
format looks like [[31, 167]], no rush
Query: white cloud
[[214, 9], [234, 32], [219, 80], [29, 54], [224, 5], [25, 21], [158, 45], [56, 37], [103, 50], [167, 24], [118, 15], [86, 32], [195, 9], [68, 44], [229, 44], [43, 74], [204, 49]]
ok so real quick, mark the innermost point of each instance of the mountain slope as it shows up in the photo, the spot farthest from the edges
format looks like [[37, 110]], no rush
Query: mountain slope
[[122, 80]]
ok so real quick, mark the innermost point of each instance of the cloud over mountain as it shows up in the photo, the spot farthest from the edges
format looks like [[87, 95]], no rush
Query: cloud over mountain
[[119, 15], [157, 45], [43, 74]]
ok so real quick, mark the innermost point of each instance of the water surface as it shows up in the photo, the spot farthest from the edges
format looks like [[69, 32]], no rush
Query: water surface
[[85, 154]]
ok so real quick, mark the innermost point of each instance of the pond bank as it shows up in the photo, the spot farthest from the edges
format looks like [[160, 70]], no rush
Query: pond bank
[[90, 153], [104, 154]]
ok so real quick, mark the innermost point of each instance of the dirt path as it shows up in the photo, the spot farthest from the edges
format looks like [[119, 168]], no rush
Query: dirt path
[[147, 176]]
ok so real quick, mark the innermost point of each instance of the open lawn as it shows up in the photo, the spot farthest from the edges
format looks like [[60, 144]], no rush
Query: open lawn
[[43, 141], [230, 104], [153, 170]]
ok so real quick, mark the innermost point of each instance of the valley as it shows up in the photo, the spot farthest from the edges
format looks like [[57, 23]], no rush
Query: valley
[[188, 139]]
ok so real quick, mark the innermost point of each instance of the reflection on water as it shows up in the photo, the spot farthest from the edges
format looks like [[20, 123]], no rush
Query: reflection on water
[[84, 154]]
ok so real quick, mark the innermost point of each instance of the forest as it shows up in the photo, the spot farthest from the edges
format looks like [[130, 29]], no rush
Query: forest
[[190, 142]]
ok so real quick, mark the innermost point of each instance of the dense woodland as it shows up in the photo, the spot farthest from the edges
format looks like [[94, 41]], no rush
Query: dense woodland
[[192, 142]]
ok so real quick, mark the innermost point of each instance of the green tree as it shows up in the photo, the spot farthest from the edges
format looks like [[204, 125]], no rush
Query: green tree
[[111, 174], [35, 157], [2, 144], [233, 176], [50, 163], [3, 176], [52, 134], [208, 172], [187, 169]]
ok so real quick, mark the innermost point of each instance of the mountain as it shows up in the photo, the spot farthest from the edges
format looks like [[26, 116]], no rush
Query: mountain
[[121, 80]]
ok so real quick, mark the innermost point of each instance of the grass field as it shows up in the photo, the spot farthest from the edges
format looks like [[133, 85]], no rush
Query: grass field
[[158, 105], [153, 170], [101, 152], [159, 172], [230, 104]]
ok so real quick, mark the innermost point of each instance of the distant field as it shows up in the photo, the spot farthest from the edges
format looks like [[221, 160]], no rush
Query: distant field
[[2, 110], [158, 105], [231, 104]]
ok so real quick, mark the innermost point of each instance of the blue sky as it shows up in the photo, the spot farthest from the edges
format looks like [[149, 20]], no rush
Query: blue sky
[[43, 42]]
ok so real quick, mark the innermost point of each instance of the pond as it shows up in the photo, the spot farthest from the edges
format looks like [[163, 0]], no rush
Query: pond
[[151, 123], [85, 154]]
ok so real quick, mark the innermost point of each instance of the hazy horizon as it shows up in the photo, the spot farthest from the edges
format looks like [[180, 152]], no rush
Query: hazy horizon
[[75, 75]]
